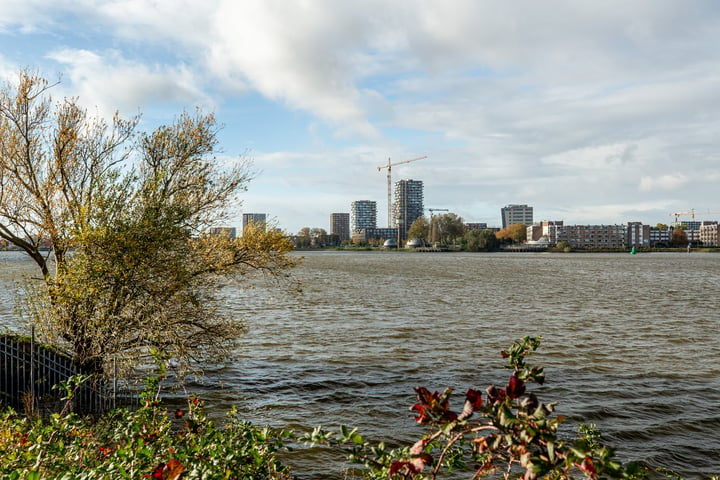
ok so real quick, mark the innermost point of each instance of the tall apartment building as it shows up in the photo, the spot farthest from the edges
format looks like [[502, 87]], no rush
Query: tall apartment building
[[340, 225], [408, 205], [248, 218], [513, 214], [638, 235], [363, 214]]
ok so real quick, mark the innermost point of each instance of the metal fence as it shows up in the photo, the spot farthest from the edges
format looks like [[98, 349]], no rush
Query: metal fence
[[29, 371]]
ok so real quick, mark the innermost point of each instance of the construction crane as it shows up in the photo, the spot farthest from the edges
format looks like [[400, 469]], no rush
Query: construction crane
[[691, 213], [432, 224], [389, 182]]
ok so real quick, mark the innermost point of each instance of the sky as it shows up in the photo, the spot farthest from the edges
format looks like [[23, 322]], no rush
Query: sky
[[591, 112]]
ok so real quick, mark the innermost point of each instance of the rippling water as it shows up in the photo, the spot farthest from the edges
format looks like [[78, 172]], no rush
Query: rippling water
[[630, 343]]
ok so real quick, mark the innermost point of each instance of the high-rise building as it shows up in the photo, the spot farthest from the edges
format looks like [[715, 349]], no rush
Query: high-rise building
[[363, 214], [408, 205], [253, 218], [340, 225], [514, 214]]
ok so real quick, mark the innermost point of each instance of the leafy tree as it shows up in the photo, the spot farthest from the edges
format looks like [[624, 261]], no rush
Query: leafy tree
[[318, 232], [661, 226], [447, 228], [480, 240], [516, 233], [419, 229], [130, 267], [678, 238], [303, 238], [563, 246]]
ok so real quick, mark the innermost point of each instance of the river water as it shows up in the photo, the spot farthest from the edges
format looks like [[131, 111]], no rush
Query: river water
[[630, 343]]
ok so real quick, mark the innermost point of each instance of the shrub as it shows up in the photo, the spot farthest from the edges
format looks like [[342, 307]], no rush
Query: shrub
[[505, 431], [149, 442]]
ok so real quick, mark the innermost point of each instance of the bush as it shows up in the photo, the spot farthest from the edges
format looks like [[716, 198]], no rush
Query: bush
[[149, 442], [504, 431]]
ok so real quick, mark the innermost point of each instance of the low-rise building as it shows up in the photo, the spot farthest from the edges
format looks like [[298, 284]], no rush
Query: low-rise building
[[660, 237]]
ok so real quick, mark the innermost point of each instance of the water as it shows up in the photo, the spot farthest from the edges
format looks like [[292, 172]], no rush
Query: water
[[630, 343]]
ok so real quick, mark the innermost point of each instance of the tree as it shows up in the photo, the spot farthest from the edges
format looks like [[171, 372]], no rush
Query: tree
[[661, 226], [480, 240], [419, 228], [303, 238], [516, 233], [130, 267], [679, 238], [447, 228]]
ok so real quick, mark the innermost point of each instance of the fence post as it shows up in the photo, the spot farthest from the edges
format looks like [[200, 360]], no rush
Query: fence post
[[115, 374], [32, 371]]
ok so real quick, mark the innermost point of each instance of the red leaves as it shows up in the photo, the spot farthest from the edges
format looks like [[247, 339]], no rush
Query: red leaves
[[423, 418], [473, 403], [515, 387], [416, 464], [170, 471], [588, 468], [433, 407], [410, 468]]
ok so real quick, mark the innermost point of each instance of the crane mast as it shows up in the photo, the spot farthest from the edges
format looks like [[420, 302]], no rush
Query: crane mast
[[389, 183]]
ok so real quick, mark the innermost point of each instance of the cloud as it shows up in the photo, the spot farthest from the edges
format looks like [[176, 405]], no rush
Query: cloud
[[110, 82], [665, 183], [561, 104]]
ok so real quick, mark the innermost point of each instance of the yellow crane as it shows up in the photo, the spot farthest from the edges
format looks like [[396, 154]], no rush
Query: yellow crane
[[389, 182]]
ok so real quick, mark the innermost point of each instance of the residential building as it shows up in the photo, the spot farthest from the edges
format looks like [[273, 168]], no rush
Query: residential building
[[514, 214], [340, 226], [408, 205], [638, 235], [363, 214], [249, 218], [710, 234], [660, 237], [546, 229], [593, 236]]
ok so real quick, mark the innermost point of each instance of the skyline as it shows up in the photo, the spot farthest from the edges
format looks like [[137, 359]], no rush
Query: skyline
[[591, 113]]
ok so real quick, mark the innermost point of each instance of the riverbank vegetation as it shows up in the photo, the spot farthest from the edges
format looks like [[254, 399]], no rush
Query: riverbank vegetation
[[502, 431]]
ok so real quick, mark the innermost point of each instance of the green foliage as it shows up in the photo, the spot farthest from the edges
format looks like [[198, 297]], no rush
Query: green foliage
[[150, 442], [504, 432], [446, 228], [480, 240], [508, 432], [563, 247], [419, 229]]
